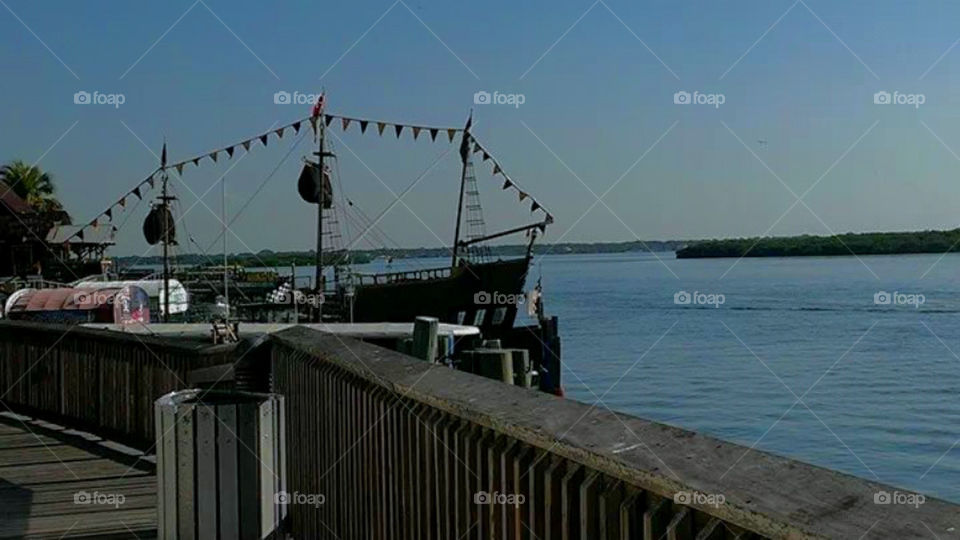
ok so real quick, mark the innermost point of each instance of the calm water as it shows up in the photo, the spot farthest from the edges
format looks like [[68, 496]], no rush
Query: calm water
[[887, 410]]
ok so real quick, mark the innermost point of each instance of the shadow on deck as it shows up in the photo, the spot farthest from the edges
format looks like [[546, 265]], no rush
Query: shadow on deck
[[55, 482]]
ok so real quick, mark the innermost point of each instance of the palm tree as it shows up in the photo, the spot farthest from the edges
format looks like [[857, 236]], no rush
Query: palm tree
[[36, 187]]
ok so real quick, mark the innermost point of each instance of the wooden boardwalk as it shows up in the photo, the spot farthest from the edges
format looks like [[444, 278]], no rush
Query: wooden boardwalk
[[56, 483]]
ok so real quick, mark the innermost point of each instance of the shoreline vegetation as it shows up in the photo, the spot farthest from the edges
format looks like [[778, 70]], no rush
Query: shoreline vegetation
[[875, 243]]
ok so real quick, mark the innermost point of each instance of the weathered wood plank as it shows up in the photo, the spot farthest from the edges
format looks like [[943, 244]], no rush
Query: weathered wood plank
[[71, 487]]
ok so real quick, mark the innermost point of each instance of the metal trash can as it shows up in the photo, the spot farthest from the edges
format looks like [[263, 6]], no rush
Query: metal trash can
[[220, 465]]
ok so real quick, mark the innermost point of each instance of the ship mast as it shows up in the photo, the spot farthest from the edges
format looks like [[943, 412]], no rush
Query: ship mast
[[165, 203], [464, 157], [321, 153]]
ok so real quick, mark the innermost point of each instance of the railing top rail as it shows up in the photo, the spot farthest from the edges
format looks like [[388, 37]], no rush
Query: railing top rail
[[766, 493], [55, 331]]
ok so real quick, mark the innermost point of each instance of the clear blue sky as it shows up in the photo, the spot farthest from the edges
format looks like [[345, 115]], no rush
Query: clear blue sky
[[798, 81]]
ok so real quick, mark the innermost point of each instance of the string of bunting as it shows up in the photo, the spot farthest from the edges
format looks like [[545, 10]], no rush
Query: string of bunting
[[264, 138], [510, 183]]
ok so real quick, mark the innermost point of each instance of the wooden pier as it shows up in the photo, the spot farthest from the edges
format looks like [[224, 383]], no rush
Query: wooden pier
[[383, 445], [55, 483]]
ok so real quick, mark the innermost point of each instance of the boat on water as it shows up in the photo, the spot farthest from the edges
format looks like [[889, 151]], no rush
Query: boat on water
[[475, 289]]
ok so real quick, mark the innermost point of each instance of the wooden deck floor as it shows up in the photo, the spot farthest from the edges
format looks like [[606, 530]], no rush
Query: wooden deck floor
[[55, 483]]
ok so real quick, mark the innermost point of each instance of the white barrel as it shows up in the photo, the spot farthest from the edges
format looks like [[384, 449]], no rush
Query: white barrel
[[220, 464]]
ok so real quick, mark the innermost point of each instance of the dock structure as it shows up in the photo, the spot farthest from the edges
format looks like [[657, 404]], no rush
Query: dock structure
[[55, 483], [383, 445]]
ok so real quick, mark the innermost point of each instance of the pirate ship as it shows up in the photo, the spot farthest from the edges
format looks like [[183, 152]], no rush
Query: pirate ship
[[473, 289]]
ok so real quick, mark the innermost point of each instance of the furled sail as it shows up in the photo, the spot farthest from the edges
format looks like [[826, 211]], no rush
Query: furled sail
[[153, 226], [309, 185]]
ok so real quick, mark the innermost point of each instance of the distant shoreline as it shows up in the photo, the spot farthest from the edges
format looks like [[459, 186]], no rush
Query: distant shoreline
[[306, 258], [875, 243]]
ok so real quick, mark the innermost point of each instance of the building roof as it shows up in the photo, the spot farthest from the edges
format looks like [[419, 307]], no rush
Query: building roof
[[13, 201], [65, 233]]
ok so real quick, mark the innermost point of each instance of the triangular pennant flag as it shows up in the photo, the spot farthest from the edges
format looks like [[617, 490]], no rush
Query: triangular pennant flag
[[451, 133], [230, 151], [433, 134], [496, 168], [279, 132], [196, 162], [150, 181], [136, 191], [80, 234], [549, 218], [109, 214], [363, 126], [114, 229], [213, 156], [534, 206], [246, 145], [345, 122], [263, 139], [416, 132], [486, 156], [179, 167], [476, 147], [122, 202], [522, 196], [380, 126], [507, 184], [399, 128], [94, 225], [542, 227], [328, 119], [296, 127]]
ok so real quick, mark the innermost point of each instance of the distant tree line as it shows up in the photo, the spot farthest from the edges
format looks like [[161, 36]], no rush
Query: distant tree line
[[844, 244]]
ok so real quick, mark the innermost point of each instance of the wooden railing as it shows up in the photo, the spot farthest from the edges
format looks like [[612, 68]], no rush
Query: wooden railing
[[95, 379], [399, 448], [381, 445]]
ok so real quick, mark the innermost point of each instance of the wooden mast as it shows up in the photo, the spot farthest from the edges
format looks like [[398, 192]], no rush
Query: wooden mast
[[464, 156]]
